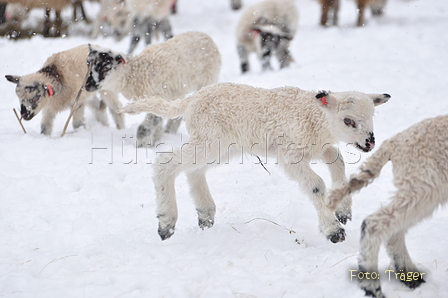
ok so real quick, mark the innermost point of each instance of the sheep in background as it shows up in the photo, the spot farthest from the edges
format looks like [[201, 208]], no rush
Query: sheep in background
[[147, 17], [330, 10], [420, 167], [170, 70], [117, 15], [54, 88], [292, 125], [267, 28]]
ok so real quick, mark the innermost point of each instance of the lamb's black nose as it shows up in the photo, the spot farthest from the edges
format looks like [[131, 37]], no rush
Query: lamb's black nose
[[370, 141]]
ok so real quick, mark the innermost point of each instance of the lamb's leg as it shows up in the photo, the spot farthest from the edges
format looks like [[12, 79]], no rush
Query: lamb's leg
[[150, 131], [266, 59], [46, 29], [203, 200], [361, 8], [2, 13], [135, 35], [99, 108], [46, 125], [114, 104], [235, 4], [324, 12], [389, 224], [172, 125], [314, 186], [335, 6], [78, 117], [164, 26], [244, 58], [150, 25], [167, 167], [336, 165], [58, 24], [397, 251], [282, 53]]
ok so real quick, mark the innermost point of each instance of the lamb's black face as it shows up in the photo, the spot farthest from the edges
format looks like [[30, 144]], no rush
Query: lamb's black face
[[103, 63], [30, 94], [269, 42]]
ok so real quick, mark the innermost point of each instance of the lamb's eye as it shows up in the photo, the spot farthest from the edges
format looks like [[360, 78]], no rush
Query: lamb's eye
[[349, 122], [106, 68]]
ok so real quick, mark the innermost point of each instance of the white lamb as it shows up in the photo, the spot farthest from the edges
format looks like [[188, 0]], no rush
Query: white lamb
[[170, 70], [420, 166], [290, 124], [148, 16], [54, 88], [117, 15], [267, 28]]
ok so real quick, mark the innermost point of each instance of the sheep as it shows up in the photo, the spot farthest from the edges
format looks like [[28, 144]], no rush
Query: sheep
[[288, 123], [420, 169], [57, 5], [54, 88], [170, 70], [267, 28], [148, 16], [332, 7], [117, 14]]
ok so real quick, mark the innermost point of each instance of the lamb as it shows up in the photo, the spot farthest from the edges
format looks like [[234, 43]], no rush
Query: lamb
[[331, 7], [54, 88], [170, 70], [148, 16], [288, 123], [117, 15], [420, 168], [267, 28]]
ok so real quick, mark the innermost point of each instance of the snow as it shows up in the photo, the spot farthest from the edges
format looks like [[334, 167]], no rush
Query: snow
[[77, 215]]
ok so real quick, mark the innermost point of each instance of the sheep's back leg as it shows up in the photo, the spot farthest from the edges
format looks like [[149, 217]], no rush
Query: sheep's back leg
[[164, 26], [335, 163], [135, 35], [397, 251], [283, 55], [244, 58], [235, 4], [407, 208], [150, 131], [78, 117], [172, 125], [314, 186], [114, 104]]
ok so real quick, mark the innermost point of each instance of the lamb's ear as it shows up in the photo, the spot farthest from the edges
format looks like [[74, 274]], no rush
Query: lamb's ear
[[326, 99], [379, 99], [13, 79]]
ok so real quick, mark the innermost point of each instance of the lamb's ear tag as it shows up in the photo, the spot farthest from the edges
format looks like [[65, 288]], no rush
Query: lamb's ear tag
[[324, 100], [323, 97], [50, 90]]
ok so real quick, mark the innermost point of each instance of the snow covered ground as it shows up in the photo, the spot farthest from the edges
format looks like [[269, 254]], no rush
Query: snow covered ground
[[78, 221]]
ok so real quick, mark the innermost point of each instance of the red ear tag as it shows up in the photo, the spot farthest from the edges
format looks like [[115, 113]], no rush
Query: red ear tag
[[50, 91], [255, 33], [324, 100]]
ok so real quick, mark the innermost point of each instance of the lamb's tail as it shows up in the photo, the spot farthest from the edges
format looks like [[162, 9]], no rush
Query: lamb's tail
[[157, 105], [369, 170]]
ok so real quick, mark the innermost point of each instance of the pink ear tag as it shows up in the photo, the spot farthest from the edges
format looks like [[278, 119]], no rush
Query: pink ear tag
[[50, 91], [324, 100]]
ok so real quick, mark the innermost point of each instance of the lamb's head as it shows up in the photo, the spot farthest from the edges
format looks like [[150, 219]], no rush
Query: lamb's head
[[268, 36], [34, 92], [350, 116], [104, 64]]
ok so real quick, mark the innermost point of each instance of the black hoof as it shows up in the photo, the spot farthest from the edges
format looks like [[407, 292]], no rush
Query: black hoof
[[165, 233], [342, 218], [208, 223], [374, 293], [414, 283], [339, 236]]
